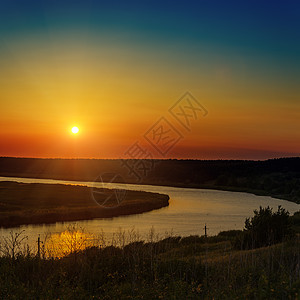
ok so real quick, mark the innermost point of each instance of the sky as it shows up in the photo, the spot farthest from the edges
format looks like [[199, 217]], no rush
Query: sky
[[122, 71]]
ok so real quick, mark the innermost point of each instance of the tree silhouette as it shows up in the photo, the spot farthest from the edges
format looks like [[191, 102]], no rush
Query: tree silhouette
[[265, 228]]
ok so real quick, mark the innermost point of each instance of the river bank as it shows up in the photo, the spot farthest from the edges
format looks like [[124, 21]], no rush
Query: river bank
[[39, 203], [278, 178]]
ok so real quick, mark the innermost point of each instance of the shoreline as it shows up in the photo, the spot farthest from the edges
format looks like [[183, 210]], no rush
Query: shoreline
[[278, 178], [182, 185], [52, 203]]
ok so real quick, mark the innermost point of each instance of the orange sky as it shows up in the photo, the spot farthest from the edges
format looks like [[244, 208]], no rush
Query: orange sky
[[115, 79]]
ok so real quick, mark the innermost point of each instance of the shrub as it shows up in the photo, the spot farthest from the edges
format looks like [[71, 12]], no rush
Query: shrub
[[265, 228]]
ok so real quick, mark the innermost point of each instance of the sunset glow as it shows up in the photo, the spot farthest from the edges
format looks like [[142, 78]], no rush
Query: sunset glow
[[118, 70]]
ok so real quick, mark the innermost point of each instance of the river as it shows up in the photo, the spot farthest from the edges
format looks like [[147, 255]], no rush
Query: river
[[187, 214]]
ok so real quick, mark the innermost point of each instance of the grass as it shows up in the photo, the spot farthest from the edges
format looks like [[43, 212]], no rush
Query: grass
[[34, 203], [171, 268]]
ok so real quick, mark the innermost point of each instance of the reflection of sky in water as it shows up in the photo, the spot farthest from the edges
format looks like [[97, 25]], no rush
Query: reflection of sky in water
[[72, 240], [188, 212]]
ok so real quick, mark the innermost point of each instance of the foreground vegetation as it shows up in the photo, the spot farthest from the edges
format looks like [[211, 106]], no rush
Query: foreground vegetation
[[23, 203], [171, 268]]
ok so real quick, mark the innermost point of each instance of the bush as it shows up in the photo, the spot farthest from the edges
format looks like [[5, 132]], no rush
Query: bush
[[229, 233], [295, 219], [265, 228]]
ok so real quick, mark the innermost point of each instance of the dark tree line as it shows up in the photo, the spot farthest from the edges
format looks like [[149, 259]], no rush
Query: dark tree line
[[276, 177]]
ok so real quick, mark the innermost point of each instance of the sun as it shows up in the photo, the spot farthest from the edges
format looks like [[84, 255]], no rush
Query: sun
[[75, 129]]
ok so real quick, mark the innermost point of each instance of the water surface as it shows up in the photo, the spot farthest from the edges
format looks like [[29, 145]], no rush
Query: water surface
[[187, 214]]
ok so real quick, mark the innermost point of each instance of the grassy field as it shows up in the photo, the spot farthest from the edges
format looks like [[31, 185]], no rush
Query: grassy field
[[172, 268], [34, 203]]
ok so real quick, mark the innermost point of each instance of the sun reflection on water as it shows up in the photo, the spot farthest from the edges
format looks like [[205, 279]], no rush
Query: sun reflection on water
[[70, 241]]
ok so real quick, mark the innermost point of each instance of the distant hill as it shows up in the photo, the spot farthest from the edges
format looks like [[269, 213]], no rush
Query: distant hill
[[276, 177]]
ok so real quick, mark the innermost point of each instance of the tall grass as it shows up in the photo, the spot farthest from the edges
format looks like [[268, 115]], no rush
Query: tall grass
[[128, 266]]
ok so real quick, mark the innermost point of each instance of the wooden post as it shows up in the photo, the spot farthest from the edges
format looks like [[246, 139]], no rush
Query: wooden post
[[39, 247], [205, 231]]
